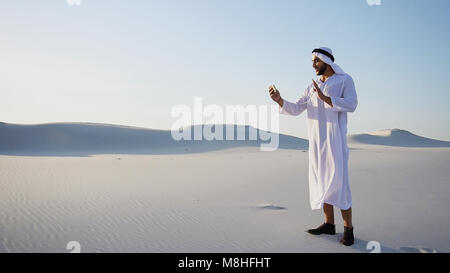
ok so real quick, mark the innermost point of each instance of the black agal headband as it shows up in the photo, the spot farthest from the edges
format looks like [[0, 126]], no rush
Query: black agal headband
[[324, 52]]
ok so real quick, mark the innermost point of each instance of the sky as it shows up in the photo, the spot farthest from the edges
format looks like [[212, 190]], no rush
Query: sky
[[131, 62]]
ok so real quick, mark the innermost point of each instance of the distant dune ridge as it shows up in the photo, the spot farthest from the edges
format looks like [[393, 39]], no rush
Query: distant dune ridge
[[396, 137], [96, 138]]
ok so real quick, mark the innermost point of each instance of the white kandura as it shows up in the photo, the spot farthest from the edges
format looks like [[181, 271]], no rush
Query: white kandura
[[327, 134]]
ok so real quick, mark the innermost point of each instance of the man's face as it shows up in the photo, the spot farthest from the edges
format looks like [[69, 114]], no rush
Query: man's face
[[318, 65]]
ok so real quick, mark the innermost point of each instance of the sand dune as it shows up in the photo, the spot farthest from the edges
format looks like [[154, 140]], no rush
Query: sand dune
[[93, 138], [396, 137], [232, 199], [82, 139]]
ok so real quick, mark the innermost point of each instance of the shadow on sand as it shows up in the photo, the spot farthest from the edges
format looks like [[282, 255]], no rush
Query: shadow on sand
[[360, 245]]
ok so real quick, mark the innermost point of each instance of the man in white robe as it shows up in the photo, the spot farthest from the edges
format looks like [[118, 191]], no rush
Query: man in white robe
[[327, 101]]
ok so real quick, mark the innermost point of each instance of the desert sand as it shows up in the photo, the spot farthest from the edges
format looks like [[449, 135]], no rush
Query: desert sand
[[216, 198]]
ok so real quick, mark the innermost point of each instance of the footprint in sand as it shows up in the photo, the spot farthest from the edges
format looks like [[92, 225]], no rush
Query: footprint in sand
[[270, 207]]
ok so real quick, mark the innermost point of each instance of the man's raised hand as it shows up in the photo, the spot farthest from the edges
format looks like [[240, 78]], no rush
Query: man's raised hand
[[274, 93], [317, 89], [321, 95]]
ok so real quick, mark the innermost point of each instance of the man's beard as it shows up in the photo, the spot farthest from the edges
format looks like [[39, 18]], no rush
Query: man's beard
[[322, 70]]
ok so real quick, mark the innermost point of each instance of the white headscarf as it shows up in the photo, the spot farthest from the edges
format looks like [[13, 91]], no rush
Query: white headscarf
[[328, 61]]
